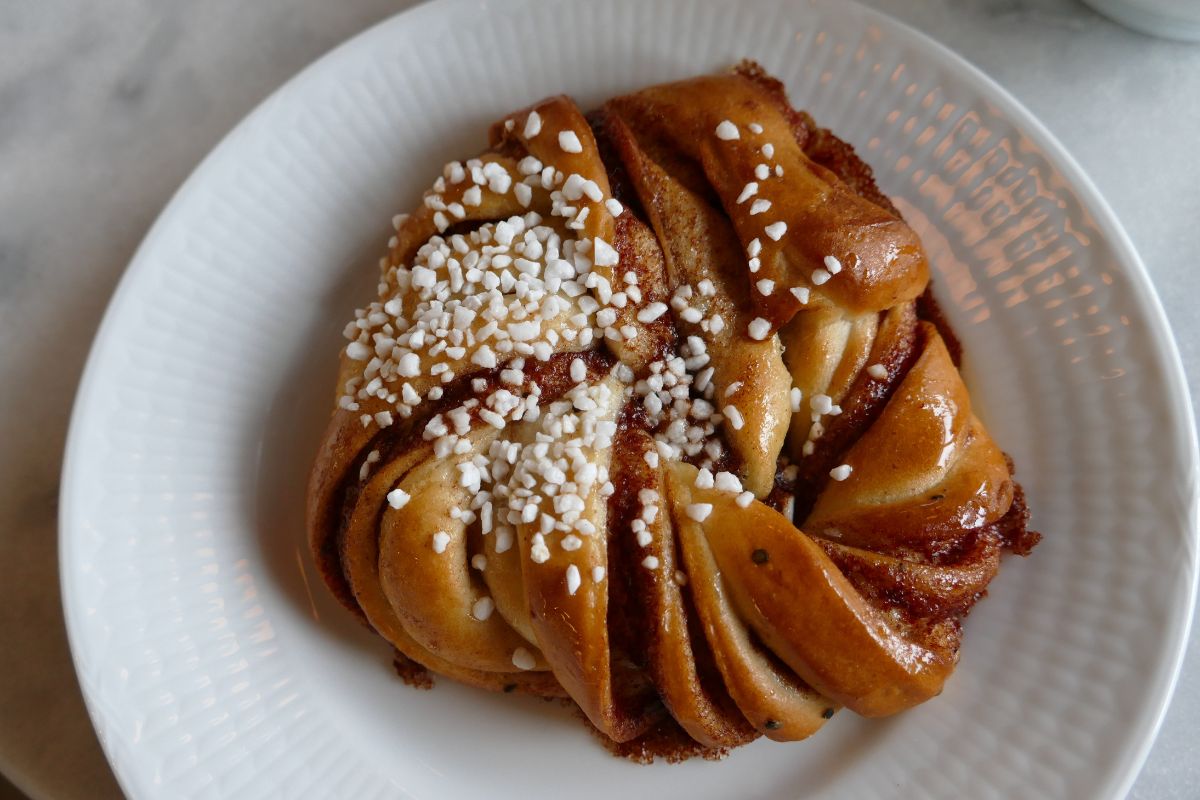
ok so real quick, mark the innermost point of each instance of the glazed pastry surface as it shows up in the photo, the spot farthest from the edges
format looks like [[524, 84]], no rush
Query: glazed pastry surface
[[649, 413]]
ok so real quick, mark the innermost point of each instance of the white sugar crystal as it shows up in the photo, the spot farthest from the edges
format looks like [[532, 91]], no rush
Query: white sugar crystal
[[523, 193], [409, 365], [727, 482], [523, 659], [483, 608], [604, 255], [504, 540], [759, 329], [651, 312], [539, 553], [569, 142], [533, 125], [398, 498]]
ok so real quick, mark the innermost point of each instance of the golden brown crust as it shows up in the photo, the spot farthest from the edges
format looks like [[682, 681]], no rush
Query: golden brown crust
[[841, 645], [821, 145], [679, 657], [882, 258], [924, 474], [604, 435], [699, 244]]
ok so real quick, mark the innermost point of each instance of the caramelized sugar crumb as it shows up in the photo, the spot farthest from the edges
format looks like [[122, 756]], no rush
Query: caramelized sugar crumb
[[411, 672], [1012, 526], [666, 741]]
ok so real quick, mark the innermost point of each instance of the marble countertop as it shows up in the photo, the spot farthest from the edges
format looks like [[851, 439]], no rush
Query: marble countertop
[[105, 108]]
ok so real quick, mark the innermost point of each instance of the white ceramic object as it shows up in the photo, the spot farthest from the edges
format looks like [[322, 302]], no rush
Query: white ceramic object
[[1168, 19], [216, 665]]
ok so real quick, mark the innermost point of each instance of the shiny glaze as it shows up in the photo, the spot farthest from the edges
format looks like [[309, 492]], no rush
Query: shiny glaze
[[748, 624]]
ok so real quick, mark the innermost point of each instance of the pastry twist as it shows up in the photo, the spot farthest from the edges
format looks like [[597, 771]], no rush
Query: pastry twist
[[649, 413]]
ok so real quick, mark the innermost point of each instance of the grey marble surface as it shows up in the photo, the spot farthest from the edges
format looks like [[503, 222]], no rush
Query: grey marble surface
[[105, 108]]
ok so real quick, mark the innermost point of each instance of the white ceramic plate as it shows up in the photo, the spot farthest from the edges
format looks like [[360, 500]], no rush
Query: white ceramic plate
[[215, 665]]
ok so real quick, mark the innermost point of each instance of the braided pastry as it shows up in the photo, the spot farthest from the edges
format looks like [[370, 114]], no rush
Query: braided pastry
[[652, 412]]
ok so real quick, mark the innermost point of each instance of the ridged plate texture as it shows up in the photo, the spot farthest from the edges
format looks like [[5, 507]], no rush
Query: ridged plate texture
[[215, 666]]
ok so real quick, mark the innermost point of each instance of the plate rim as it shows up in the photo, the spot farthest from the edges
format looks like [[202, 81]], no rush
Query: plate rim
[[1134, 751], [1122, 772]]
